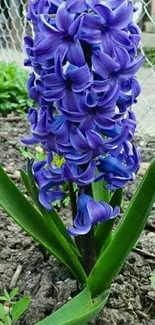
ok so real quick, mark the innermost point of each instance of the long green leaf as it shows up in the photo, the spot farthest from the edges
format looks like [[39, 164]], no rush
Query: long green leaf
[[19, 308], [79, 311], [126, 236], [99, 193], [55, 224], [22, 211]]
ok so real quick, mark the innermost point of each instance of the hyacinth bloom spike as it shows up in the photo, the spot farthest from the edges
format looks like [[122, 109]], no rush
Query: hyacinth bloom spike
[[84, 57]]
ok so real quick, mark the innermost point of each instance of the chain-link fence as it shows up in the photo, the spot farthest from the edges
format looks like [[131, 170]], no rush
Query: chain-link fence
[[13, 26]]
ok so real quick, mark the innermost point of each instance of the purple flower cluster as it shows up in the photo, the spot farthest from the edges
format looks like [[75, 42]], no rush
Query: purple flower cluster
[[84, 57]]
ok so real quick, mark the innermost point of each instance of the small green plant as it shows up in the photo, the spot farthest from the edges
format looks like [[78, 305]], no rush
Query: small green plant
[[150, 54], [10, 311], [152, 278], [38, 155], [13, 90]]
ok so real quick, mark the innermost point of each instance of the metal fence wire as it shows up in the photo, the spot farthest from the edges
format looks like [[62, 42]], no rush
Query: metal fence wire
[[13, 27]]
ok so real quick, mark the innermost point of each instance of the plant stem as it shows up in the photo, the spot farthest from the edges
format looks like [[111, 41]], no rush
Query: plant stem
[[85, 243], [88, 251], [88, 248], [73, 199], [74, 209]]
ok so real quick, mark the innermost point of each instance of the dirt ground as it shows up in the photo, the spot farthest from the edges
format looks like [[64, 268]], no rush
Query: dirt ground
[[132, 298]]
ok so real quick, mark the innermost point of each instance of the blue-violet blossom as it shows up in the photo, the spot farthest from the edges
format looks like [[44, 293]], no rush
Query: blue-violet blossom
[[84, 57]]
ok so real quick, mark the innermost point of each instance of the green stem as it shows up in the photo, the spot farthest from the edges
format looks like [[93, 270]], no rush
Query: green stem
[[85, 243], [87, 249], [74, 209]]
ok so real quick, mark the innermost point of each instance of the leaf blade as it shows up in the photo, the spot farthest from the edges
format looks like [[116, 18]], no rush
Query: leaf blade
[[13, 292], [99, 192], [126, 235], [19, 308], [33, 222], [78, 311]]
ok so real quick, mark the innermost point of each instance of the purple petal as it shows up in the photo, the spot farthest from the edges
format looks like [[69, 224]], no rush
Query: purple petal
[[104, 122], [78, 140], [103, 64], [80, 78], [64, 19], [87, 176], [123, 15], [122, 57], [91, 99], [74, 116], [91, 23], [75, 54], [46, 197], [51, 80], [76, 27], [76, 6], [55, 94], [45, 49], [80, 228], [30, 141], [79, 160], [133, 67], [94, 139], [47, 29], [98, 212], [104, 12]]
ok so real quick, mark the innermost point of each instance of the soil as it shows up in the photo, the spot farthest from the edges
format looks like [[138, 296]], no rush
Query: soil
[[132, 298]]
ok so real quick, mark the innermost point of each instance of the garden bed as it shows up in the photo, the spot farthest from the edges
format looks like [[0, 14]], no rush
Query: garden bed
[[132, 299]]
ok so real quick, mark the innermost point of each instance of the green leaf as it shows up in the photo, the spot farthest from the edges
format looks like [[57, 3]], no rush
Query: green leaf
[[13, 293], [99, 193], [79, 311], [2, 298], [8, 320], [1, 323], [103, 234], [2, 312], [126, 235], [44, 230], [19, 308], [6, 294]]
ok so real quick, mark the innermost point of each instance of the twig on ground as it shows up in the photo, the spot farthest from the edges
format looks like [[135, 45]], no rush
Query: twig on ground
[[11, 119], [142, 314], [16, 276], [143, 253], [14, 176]]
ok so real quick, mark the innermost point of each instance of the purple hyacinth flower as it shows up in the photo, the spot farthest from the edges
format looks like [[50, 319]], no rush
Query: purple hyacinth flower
[[48, 195], [73, 6], [118, 70], [107, 26], [117, 171], [91, 213], [59, 84], [64, 33], [73, 172], [84, 57], [48, 178]]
